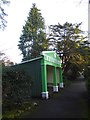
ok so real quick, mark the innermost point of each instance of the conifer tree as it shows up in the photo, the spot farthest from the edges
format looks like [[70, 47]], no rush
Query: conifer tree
[[33, 38]]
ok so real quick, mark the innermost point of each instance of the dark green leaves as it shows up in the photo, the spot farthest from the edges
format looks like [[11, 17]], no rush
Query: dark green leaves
[[33, 38], [70, 39]]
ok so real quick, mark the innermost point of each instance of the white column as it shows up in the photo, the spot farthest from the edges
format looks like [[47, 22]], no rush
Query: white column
[[55, 88], [45, 95]]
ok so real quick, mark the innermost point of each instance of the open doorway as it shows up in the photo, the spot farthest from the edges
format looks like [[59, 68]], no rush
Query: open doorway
[[50, 78]]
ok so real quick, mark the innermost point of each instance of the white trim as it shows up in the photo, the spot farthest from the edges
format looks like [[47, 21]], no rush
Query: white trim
[[45, 95], [61, 85], [55, 88], [43, 52], [53, 60]]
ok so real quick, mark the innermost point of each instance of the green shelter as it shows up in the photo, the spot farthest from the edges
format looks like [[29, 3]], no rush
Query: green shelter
[[51, 66], [44, 71]]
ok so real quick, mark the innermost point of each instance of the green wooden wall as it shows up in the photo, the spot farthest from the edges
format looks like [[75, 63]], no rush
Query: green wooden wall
[[33, 70]]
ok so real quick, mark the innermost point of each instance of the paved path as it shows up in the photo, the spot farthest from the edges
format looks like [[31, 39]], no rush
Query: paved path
[[68, 103]]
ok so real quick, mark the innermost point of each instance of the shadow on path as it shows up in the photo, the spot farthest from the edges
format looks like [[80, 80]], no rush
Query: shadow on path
[[70, 102]]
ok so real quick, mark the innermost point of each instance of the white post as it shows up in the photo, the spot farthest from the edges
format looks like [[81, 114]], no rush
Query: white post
[[55, 88], [45, 95]]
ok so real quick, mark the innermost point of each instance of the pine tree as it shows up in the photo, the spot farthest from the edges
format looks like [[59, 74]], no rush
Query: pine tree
[[33, 38]]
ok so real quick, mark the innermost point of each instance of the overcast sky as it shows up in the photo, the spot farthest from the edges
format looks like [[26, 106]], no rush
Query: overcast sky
[[53, 11]]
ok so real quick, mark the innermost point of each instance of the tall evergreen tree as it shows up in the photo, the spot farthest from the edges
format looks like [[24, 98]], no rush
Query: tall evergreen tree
[[33, 38]]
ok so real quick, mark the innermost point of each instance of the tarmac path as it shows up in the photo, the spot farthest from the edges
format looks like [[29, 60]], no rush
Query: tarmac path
[[71, 102]]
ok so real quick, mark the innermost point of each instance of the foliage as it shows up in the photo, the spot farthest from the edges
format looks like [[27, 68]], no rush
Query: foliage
[[68, 39], [3, 13], [87, 75], [2, 56], [33, 39], [5, 60], [86, 72], [16, 88], [18, 112]]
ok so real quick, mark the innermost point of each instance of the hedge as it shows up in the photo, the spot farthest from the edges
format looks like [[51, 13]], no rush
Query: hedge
[[16, 88]]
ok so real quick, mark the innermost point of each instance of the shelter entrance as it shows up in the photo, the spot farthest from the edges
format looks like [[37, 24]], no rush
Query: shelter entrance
[[51, 78], [51, 72], [49, 75]]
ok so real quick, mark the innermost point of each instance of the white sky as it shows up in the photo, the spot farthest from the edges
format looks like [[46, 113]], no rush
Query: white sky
[[53, 11]]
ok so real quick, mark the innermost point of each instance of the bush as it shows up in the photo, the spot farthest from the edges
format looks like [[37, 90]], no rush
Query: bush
[[87, 76], [72, 71], [16, 88]]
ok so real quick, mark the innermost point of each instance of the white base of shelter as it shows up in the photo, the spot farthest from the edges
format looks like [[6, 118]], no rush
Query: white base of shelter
[[55, 88], [61, 85], [45, 95]]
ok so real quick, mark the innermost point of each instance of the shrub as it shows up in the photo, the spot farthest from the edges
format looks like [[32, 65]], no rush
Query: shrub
[[87, 79], [16, 87]]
